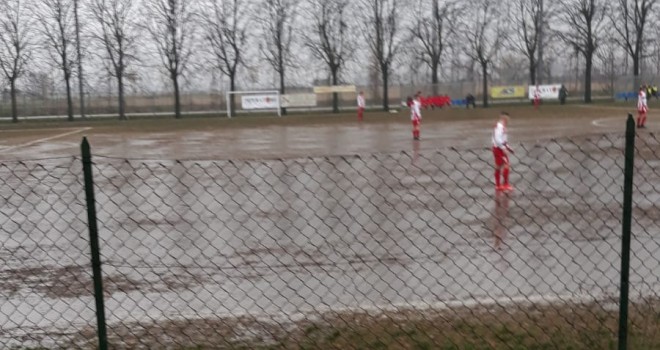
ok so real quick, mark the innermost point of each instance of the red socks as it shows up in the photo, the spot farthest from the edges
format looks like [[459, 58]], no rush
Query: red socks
[[505, 176]]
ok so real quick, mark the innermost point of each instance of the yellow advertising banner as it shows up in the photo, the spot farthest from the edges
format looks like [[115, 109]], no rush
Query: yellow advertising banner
[[513, 91], [335, 88]]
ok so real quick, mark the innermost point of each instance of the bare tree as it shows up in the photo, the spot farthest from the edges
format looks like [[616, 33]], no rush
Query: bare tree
[[79, 63], [57, 22], [277, 25], [430, 33], [509, 68], [655, 52], [484, 35], [16, 46], [609, 62], [170, 25], [630, 22], [226, 32], [381, 21], [583, 24], [117, 34], [527, 21], [36, 83], [330, 39]]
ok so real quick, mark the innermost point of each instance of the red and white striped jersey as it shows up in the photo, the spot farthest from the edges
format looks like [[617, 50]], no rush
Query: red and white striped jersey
[[642, 104], [499, 136], [360, 101], [416, 110]]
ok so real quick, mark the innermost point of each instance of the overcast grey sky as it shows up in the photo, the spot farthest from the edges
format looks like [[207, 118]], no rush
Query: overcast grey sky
[[507, 65]]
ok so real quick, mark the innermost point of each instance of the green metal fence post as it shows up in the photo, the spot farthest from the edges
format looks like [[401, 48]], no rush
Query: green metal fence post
[[627, 218], [94, 244]]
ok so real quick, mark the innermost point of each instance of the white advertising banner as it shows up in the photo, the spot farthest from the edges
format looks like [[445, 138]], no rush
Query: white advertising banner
[[299, 100], [259, 101], [545, 91]]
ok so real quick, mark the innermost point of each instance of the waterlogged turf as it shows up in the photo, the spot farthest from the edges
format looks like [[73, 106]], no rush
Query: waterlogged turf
[[297, 218]]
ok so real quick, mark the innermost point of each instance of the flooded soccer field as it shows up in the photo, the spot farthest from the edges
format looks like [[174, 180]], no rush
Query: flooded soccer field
[[284, 219]]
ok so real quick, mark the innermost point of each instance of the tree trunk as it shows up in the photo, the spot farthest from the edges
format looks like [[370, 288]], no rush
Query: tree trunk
[[69, 100], [636, 70], [232, 97], [335, 96], [82, 94], [14, 108], [587, 77], [539, 74], [434, 76], [436, 62], [484, 72], [612, 76], [532, 71], [122, 104], [80, 67], [386, 100], [177, 97], [282, 88]]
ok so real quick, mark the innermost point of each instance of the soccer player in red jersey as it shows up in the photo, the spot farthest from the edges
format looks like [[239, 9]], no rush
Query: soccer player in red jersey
[[642, 107], [361, 104], [537, 98], [416, 115], [501, 149]]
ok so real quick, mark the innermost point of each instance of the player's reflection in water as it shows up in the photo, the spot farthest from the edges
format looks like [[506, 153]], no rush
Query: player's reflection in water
[[500, 217], [415, 152]]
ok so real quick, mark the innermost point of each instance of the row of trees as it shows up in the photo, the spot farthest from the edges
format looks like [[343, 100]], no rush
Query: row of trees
[[334, 32]]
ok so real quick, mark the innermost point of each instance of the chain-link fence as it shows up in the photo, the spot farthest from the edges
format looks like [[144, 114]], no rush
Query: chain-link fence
[[44, 251], [404, 250], [645, 245], [213, 103]]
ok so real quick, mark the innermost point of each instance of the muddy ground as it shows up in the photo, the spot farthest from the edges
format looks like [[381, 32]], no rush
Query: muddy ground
[[283, 219]]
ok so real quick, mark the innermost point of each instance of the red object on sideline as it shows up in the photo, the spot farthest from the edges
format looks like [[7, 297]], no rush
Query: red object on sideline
[[435, 101]]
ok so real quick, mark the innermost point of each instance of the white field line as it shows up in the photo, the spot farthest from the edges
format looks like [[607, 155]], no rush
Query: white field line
[[75, 131], [600, 122]]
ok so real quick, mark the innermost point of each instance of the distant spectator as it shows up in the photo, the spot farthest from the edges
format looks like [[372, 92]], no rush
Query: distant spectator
[[470, 100], [654, 91], [563, 93]]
